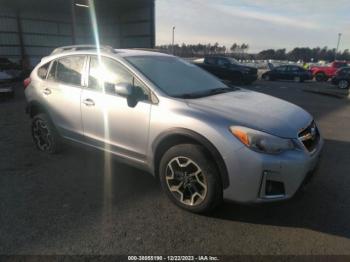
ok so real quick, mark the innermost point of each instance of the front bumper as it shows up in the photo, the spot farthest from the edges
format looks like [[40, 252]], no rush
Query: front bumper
[[251, 174]]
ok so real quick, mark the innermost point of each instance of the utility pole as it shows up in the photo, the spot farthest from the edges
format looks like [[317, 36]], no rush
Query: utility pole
[[74, 22], [336, 52], [173, 42]]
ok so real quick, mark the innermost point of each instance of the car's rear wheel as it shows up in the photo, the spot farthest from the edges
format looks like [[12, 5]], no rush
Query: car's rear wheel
[[190, 178], [343, 84], [320, 77], [44, 134], [266, 77]]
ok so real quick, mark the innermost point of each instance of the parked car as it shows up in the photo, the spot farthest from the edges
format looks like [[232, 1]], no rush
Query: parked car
[[6, 64], [6, 85], [204, 140], [10, 68], [323, 73], [287, 72], [342, 78], [229, 69]]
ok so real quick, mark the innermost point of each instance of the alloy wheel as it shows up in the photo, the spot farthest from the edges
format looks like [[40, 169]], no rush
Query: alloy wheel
[[42, 135], [186, 181], [343, 84]]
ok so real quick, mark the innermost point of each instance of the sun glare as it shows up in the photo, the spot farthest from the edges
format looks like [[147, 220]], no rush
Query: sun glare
[[107, 157]]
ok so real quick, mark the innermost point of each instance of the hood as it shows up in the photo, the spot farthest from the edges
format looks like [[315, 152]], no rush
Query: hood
[[256, 110]]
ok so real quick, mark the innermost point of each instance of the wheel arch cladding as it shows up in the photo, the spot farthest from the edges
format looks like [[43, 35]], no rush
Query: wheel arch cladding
[[177, 136], [33, 108]]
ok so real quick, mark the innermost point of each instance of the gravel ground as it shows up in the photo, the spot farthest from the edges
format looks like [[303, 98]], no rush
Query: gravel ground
[[68, 204]]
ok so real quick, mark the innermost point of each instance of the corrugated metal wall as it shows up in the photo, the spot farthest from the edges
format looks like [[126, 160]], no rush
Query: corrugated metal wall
[[44, 31], [137, 28], [9, 39]]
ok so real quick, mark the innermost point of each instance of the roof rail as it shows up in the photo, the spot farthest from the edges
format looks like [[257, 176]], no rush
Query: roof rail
[[81, 48]]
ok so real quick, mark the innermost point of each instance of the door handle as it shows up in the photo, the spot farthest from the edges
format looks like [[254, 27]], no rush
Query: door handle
[[47, 91], [88, 102]]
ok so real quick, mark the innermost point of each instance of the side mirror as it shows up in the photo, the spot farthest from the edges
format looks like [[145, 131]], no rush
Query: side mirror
[[123, 89]]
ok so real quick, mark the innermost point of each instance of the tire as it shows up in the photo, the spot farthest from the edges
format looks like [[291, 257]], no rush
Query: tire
[[266, 77], [343, 84], [201, 193], [320, 77], [45, 135]]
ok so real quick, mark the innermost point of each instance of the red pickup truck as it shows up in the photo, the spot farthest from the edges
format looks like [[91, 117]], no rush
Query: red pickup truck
[[323, 73]]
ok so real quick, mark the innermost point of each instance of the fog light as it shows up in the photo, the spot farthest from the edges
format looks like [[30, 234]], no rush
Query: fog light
[[273, 188]]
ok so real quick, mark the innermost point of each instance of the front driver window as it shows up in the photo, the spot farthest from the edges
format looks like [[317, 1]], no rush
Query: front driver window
[[223, 62], [281, 69], [105, 74]]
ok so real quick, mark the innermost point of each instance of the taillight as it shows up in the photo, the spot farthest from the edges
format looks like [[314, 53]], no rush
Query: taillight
[[26, 82]]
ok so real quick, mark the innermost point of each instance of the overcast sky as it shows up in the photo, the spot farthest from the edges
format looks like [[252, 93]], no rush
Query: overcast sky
[[260, 23]]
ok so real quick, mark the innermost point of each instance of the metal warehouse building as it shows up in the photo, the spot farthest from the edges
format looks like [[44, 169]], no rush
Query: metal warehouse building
[[31, 29]]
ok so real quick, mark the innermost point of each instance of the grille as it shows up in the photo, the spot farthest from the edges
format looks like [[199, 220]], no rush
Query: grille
[[310, 137]]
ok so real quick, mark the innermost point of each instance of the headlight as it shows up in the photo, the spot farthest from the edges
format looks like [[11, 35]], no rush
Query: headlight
[[260, 141]]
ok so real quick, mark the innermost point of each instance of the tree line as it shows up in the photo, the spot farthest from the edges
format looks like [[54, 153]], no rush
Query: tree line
[[202, 49], [240, 51], [305, 54]]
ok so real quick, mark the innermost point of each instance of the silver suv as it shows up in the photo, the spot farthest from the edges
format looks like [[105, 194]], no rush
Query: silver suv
[[206, 141]]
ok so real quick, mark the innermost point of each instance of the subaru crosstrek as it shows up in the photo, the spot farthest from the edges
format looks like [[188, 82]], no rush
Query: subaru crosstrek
[[205, 141]]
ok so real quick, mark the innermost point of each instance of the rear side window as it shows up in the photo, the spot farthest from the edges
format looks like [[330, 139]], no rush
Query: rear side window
[[67, 70], [42, 71], [281, 69], [52, 73], [70, 69], [294, 69]]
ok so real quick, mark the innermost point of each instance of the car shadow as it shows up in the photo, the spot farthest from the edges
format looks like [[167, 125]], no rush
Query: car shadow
[[323, 206]]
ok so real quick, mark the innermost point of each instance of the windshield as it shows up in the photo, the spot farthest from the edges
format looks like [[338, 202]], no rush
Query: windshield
[[177, 77]]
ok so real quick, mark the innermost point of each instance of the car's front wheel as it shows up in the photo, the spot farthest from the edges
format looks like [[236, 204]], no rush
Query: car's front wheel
[[190, 178], [343, 84], [266, 77], [44, 134]]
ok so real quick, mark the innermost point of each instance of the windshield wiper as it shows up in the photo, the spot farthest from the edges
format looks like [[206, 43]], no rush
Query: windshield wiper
[[188, 96], [220, 90], [210, 92]]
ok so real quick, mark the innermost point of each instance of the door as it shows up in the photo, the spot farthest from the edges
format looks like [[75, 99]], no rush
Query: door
[[62, 91], [108, 121], [280, 72], [211, 66], [293, 71]]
